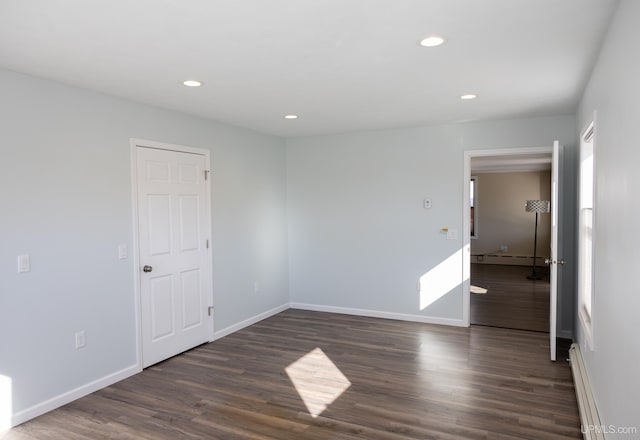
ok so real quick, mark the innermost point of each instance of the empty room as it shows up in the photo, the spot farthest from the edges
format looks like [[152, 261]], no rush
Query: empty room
[[319, 219]]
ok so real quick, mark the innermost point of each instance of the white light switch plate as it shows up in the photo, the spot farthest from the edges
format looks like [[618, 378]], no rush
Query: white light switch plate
[[80, 339], [123, 251], [24, 263]]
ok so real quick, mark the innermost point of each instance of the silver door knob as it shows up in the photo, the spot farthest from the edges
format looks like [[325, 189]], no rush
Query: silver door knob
[[147, 269]]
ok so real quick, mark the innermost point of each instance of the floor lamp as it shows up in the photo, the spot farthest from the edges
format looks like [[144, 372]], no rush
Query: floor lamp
[[539, 207]]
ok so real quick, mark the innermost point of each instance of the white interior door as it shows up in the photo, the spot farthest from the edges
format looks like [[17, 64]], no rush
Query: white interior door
[[554, 258], [175, 276]]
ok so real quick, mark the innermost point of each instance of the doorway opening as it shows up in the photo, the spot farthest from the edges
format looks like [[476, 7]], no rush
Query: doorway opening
[[510, 283], [514, 157]]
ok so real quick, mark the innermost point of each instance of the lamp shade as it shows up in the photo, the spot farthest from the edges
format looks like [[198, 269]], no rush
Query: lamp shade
[[540, 206]]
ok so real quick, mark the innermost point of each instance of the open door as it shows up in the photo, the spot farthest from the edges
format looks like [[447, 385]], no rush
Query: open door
[[554, 260]]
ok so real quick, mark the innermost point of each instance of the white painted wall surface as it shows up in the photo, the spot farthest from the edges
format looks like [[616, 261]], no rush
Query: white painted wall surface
[[614, 93], [65, 199], [359, 237]]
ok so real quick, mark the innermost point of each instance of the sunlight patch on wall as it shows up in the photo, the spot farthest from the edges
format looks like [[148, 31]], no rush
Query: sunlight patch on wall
[[317, 380], [5, 403], [441, 280]]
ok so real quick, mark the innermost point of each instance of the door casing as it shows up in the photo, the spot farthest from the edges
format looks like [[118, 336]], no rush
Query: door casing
[[466, 226], [134, 144]]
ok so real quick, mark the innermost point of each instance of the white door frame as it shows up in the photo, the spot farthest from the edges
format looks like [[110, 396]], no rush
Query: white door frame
[[466, 224], [134, 144]]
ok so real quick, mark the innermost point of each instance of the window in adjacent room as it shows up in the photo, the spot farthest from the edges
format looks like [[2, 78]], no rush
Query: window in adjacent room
[[473, 189]]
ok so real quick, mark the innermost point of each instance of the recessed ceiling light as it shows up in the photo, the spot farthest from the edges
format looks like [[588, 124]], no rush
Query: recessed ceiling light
[[468, 96], [432, 41], [291, 116], [193, 83]]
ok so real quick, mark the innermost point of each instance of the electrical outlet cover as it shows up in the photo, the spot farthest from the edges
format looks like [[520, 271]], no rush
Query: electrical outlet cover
[[24, 263]]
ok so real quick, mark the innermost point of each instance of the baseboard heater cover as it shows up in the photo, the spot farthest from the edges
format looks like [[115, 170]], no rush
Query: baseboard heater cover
[[589, 419]]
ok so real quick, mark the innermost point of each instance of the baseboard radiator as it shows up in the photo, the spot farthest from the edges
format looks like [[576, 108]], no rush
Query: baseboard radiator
[[591, 427], [507, 259]]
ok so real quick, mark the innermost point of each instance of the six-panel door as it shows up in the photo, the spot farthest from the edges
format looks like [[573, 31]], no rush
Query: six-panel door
[[172, 250]]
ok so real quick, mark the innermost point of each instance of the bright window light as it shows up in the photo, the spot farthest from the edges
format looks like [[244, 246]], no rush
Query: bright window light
[[586, 203]]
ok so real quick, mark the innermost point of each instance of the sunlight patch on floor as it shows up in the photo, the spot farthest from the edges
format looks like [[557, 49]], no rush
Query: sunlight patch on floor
[[318, 381]]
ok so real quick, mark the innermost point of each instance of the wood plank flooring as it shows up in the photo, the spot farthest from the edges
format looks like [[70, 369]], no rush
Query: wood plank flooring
[[511, 301], [401, 380]]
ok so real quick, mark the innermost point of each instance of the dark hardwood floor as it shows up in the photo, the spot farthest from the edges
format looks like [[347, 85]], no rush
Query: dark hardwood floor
[[511, 301], [361, 378]]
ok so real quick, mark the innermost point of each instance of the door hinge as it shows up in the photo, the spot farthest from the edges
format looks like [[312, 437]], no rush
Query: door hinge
[[207, 244], [210, 310], [206, 174]]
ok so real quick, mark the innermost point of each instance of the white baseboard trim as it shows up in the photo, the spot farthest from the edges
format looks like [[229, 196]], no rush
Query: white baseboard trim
[[70, 396], [250, 321], [380, 314], [103, 382]]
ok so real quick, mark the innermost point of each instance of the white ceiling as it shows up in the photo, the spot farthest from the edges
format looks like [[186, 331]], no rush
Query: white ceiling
[[342, 65]]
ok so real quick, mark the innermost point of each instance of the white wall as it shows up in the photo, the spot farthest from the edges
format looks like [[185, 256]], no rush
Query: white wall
[[359, 237], [65, 199], [502, 219], [614, 92]]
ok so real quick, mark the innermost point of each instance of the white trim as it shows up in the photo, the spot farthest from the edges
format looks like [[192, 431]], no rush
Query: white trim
[[70, 396], [172, 147], [84, 390], [380, 314], [514, 151], [136, 252], [555, 249], [144, 143], [466, 241], [585, 318], [249, 321], [586, 323], [466, 226]]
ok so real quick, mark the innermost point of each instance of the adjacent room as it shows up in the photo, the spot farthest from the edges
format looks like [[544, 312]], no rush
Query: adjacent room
[[305, 219], [510, 242]]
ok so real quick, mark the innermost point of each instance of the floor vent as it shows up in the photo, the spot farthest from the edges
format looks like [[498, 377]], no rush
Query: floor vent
[[591, 427]]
